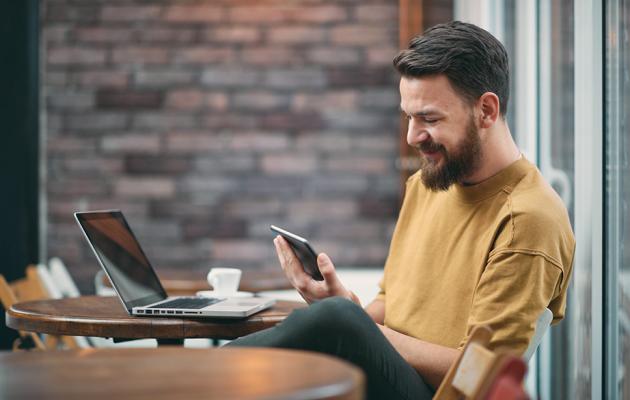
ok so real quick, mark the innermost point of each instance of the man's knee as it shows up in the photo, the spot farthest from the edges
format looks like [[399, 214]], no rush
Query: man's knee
[[335, 314]]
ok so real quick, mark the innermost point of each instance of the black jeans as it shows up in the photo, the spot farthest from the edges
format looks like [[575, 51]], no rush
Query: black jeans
[[340, 328]]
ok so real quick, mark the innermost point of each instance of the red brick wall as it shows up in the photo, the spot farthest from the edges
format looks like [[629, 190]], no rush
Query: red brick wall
[[206, 121]]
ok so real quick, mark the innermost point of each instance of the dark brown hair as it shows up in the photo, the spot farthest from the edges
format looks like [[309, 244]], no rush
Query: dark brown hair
[[472, 59]]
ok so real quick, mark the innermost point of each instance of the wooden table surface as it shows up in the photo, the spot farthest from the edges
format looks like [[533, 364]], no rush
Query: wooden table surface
[[105, 317], [177, 373]]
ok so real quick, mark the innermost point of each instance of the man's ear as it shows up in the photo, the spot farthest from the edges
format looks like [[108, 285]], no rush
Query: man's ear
[[489, 106]]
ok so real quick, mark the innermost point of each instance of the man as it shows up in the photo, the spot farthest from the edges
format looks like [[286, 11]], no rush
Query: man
[[481, 237]]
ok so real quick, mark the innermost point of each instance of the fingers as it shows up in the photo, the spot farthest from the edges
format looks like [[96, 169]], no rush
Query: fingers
[[289, 262], [331, 278]]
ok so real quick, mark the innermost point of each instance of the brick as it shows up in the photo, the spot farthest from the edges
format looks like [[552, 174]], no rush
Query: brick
[[226, 163], [230, 77], [76, 56], [92, 166], [144, 187], [248, 208], [163, 77], [377, 13], [362, 35], [208, 185], [96, 78], [162, 34], [70, 145], [345, 184], [177, 254], [70, 99], [292, 121], [131, 143], [379, 143], [379, 207], [386, 98], [353, 77], [178, 209], [295, 78], [185, 99], [385, 185], [334, 56], [55, 33], [204, 55], [54, 78], [292, 164], [128, 99], [77, 186], [321, 210], [381, 56], [268, 56], [193, 13], [163, 121], [280, 186], [364, 120], [358, 164], [259, 100], [240, 250], [139, 55], [337, 100], [328, 142], [351, 230], [102, 35], [130, 13], [216, 101], [61, 12], [96, 121], [235, 34], [214, 228], [230, 121], [320, 14], [257, 14], [193, 142], [296, 34], [162, 165], [258, 141]]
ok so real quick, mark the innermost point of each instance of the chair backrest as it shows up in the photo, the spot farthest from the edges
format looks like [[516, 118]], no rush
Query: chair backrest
[[48, 283], [474, 372], [30, 288], [62, 278], [542, 325]]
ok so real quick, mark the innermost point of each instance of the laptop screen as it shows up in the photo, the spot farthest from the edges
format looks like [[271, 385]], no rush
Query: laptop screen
[[121, 257]]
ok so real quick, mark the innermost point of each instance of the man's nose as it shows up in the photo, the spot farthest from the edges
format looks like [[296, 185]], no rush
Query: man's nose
[[415, 135]]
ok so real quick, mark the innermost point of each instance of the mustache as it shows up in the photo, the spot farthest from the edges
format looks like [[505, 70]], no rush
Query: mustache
[[429, 147]]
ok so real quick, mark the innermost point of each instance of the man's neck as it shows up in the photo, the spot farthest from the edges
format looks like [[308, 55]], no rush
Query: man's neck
[[498, 152]]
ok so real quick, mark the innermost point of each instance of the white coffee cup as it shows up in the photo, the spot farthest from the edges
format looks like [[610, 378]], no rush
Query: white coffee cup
[[224, 281]]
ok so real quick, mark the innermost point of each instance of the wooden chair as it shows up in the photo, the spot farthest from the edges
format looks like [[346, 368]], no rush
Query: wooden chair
[[26, 289], [477, 370]]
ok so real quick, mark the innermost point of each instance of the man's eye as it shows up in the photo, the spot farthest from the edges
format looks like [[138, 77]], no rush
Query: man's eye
[[430, 121]]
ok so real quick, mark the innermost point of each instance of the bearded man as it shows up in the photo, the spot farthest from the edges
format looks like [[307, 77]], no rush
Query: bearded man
[[481, 238]]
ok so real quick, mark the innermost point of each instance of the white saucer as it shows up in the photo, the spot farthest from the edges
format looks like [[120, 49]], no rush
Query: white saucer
[[212, 293]]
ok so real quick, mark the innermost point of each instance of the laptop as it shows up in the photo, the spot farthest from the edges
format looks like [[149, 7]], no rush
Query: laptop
[[135, 281]]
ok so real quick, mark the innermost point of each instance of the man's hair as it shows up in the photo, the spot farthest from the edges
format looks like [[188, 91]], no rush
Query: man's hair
[[472, 59]]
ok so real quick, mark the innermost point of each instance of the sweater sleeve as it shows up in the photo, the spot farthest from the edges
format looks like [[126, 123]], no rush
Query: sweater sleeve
[[515, 288]]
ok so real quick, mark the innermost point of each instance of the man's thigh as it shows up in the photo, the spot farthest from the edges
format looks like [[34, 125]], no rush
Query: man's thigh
[[339, 327]]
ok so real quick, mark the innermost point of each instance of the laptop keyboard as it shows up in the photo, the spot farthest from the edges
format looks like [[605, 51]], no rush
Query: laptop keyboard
[[188, 302]]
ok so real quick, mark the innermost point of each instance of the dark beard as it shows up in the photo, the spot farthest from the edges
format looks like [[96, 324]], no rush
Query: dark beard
[[457, 165]]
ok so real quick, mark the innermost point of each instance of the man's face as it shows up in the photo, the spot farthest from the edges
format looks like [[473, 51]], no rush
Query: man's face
[[442, 129]]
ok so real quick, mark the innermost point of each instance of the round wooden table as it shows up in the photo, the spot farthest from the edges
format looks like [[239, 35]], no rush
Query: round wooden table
[[177, 373], [105, 317]]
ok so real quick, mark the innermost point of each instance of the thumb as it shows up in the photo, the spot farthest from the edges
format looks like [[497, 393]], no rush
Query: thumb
[[326, 267]]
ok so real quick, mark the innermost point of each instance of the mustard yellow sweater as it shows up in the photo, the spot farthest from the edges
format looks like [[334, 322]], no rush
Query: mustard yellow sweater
[[496, 253]]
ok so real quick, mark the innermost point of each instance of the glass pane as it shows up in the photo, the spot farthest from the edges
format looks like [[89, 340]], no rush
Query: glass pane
[[618, 198]]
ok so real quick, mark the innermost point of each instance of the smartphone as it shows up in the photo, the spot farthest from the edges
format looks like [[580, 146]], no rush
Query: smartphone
[[302, 248]]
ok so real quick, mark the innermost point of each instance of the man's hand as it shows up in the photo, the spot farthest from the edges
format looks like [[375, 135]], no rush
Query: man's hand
[[310, 289]]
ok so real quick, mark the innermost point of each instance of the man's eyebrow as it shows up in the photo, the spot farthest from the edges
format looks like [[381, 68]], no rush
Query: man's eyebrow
[[422, 113]]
